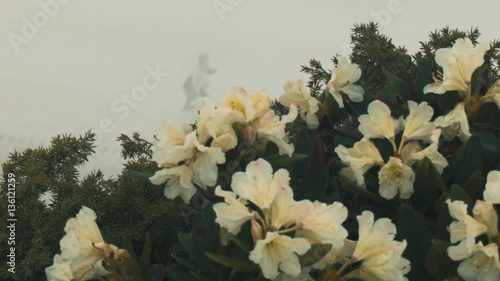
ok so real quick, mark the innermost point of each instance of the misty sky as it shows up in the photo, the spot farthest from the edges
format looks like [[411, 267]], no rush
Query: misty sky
[[74, 69]]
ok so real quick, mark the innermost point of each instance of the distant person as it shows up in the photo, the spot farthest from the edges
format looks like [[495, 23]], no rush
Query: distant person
[[197, 83]]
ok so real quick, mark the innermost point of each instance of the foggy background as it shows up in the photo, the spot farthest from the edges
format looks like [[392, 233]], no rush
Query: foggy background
[[71, 69]]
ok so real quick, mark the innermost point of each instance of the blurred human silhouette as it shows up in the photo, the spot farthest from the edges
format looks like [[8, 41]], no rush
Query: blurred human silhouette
[[197, 83]]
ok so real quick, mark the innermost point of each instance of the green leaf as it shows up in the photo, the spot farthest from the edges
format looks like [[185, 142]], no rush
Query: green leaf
[[127, 245], [200, 246], [385, 94], [208, 217], [422, 78], [428, 185], [240, 265], [457, 193], [156, 272], [314, 254], [143, 177], [184, 262], [352, 187], [475, 185], [396, 85], [145, 259], [180, 273], [315, 181], [283, 161], [413, 227], [186, 243], [303, 145], [437, 261]]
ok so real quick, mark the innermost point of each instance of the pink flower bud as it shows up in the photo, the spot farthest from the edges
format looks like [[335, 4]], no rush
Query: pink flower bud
[[256, 231], [486, 214]]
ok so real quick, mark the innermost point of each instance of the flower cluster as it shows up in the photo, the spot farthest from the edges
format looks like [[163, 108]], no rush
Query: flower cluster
[[458, 63], [300, 96], [189, 158], [396, 175], [283, 228], [480, 260], [83, 251]]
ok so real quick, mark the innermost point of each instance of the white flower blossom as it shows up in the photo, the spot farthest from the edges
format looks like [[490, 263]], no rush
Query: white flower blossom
[[324, 224], [378, 123], [394, 177], [455, 118], [300, 96], [458, 63], [241, 102], [82, 249], [60, 270], [258, 184], [253, 112], [380, 254], [361, 157], [217, 124], [482, 265], [464, 230], [342, 81], [431, 152], [492, 192], [277, 251], [233, 213], [271, 127], [417, 124]]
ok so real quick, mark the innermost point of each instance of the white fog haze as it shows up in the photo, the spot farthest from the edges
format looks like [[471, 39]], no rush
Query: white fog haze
[[82, 64]]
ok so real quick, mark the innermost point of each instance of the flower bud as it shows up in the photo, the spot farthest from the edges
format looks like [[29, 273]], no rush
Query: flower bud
[[256, 231], [486, 214], [249, 134]]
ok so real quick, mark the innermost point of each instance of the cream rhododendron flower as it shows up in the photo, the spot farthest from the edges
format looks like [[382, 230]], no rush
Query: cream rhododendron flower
[[342, 81], [486, 214], [258, 184], [83, 249], [492, 192], [274, 213], [458, 63], [257, 119], [430, 152], [300, 96], [483, 264], [277, 251], [457, 121], [378, 123], [417, 124], [216, 124], [272, 128], [233, 213], [60, 270], [361, 157], [380, 254], [464, 230], [241, 102], [396, 177], [324, 224], [178, 182]]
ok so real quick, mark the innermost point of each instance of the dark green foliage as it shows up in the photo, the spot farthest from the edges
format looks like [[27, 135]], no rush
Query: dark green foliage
[[126, 206]]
